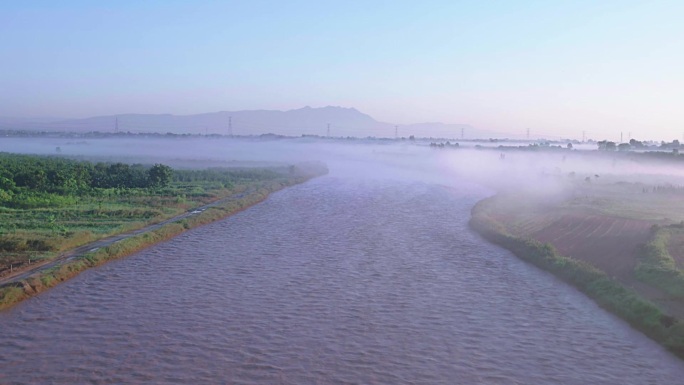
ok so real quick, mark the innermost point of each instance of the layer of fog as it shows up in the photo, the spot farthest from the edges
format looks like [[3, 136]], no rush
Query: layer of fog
[[547, 171]]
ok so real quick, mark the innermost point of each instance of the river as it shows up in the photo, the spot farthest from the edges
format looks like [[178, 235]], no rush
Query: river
[[342, 280]]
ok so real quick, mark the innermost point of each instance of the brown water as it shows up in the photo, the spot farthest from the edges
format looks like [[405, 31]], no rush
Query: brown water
[[338, 281]]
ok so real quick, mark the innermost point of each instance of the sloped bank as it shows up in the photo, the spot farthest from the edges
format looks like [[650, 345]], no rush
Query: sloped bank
[[16, 292], [642, 314], [657, 267]]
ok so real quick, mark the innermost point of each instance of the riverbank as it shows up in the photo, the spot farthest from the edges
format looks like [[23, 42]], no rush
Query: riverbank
[[16, 291], [50, 205], [595, 251]]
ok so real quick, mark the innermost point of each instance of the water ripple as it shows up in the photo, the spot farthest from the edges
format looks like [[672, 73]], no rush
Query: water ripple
[[332, 282]]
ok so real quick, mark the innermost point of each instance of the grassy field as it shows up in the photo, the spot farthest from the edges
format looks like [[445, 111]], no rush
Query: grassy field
[[37, 224], [659, 203], [35, 234]]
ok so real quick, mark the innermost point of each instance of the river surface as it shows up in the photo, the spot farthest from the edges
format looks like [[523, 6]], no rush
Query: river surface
[[336, 281]]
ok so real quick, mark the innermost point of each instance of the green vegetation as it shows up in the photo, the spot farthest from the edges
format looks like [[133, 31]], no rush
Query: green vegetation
[[657, 267], [14, 293], [606, 291], [23, 177], [51, 204], [134, 208]]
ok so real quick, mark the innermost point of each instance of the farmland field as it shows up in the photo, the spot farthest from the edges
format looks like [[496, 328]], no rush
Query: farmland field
[[604, 224], [49, 205], [609, 243]]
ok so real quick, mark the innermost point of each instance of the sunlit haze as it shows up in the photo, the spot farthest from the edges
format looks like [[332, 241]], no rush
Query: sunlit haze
[[556, 68]]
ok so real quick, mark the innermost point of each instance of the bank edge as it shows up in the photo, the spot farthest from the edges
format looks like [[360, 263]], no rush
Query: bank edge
[[608, 293], [39, 282]]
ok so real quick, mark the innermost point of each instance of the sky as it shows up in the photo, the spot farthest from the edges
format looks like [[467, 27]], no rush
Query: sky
[[558, 68]]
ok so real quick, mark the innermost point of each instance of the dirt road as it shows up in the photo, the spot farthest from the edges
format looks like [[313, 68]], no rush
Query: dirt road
[[93, 246]]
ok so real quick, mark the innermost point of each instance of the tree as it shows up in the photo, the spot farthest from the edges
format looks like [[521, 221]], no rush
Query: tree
[[119, 175], [636, 143], [7, 184], [624, 147], [5, 196], [160, 175], [607, 146]]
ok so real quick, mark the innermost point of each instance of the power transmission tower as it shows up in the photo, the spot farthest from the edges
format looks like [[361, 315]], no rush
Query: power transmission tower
[[328, 134], [116, 124], [462, 132], [584, 136], [230, 126], [396, 132], [528, 134], [620, 136]]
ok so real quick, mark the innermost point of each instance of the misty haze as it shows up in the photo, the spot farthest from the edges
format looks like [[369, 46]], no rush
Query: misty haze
[[341, 193]]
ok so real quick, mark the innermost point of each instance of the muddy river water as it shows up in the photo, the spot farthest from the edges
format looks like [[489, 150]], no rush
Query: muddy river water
[[336, 281]]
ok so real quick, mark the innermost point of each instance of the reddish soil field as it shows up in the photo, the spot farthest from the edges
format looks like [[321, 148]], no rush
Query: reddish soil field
[[609, 243], [612, 245]]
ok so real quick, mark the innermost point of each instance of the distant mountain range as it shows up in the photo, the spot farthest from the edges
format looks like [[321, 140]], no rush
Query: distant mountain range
[[332, 121]]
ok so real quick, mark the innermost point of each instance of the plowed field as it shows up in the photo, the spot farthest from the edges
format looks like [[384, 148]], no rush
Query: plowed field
[[609, 243]]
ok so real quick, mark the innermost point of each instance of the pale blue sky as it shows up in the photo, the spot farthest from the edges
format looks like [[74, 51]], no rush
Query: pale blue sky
[[557, 67]]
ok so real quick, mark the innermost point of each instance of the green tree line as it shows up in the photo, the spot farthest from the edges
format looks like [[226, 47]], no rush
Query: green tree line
[[25, 177], [227, 176]]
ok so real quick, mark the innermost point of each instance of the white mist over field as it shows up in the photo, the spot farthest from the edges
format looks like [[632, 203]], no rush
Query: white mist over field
[[496, 168], [357, 261]]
